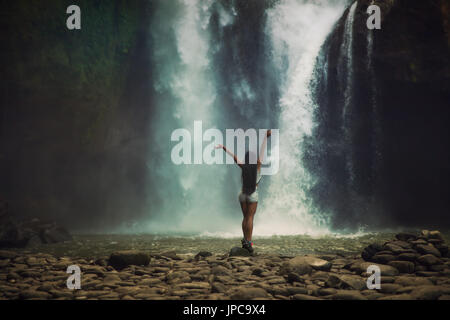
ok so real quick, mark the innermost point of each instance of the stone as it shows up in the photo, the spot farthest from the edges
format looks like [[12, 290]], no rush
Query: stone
[[176, 275], [371, 250], [194, 285], [443, 249], [55, 234], [169, 254], [408, 257], [435, 235], [33, 294], [220, 271], [297, 290], [425, 233], [257, 272], [389, 288], [249, 293], [412, 281], [403, 266], [294, 277], [304, 297], [348, 295], [382, 258], [402, 244], [217, 287], [429, 292], [202, 254], [386, 270], [405, 236], [437, 267], [429, 260], [5, 254], [393, 248], [427, 274], [122, 259], [326, 291], [403, 296], [333, 281], [352, 282], [239, 252], [295, 266], [428, 249]]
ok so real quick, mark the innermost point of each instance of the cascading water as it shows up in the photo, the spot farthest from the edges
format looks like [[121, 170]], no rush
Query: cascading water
[[195, 81], [346, 59], [376, 123], [297, 29]]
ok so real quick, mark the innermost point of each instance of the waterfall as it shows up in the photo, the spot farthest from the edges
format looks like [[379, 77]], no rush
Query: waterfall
[[376, 123], [346, 63], [189, 197], [297, 29], [212, 63], [347, 56]]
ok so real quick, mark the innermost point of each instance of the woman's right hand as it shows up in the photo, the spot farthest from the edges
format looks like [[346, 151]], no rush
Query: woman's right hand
[[219, 146]]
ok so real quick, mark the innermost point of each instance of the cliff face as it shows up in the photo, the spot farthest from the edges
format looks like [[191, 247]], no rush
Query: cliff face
[[380, 151], [74, 107]]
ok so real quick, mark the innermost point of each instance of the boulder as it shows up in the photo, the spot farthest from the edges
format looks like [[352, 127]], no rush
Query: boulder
[[202, 255], [429, 260], [371, 250], [239, 252], [295, 267], [429, 292], [410, 281], [386, 270], [122, 259], [249, 293], [396, 249], [382, 258], [32, 232], [352, 282], [408, 256], [313, 262], [348, 295], [405, 236], [428, 249], [402, 266]]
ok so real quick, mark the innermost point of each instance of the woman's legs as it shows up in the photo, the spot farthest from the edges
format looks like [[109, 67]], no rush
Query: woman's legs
[[244, 208], [248, 210], [250, 215]]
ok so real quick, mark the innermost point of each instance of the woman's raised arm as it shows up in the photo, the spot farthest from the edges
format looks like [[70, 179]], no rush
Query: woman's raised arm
[[220, 146], [263, 148]]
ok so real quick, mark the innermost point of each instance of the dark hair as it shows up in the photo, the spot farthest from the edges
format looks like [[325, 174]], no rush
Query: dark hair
[[249, 171]]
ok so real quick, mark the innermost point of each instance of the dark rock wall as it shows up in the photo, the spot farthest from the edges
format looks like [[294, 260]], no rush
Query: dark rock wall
[[75, 106], [398, 133]]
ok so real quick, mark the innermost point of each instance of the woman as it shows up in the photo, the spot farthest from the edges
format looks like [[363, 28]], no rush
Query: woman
[[248, 197]]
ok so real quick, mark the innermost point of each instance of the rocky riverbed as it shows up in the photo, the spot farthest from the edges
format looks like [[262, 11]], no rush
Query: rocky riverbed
[[413, 266]]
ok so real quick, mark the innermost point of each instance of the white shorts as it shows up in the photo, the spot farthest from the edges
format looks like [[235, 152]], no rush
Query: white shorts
[[243, 197]]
